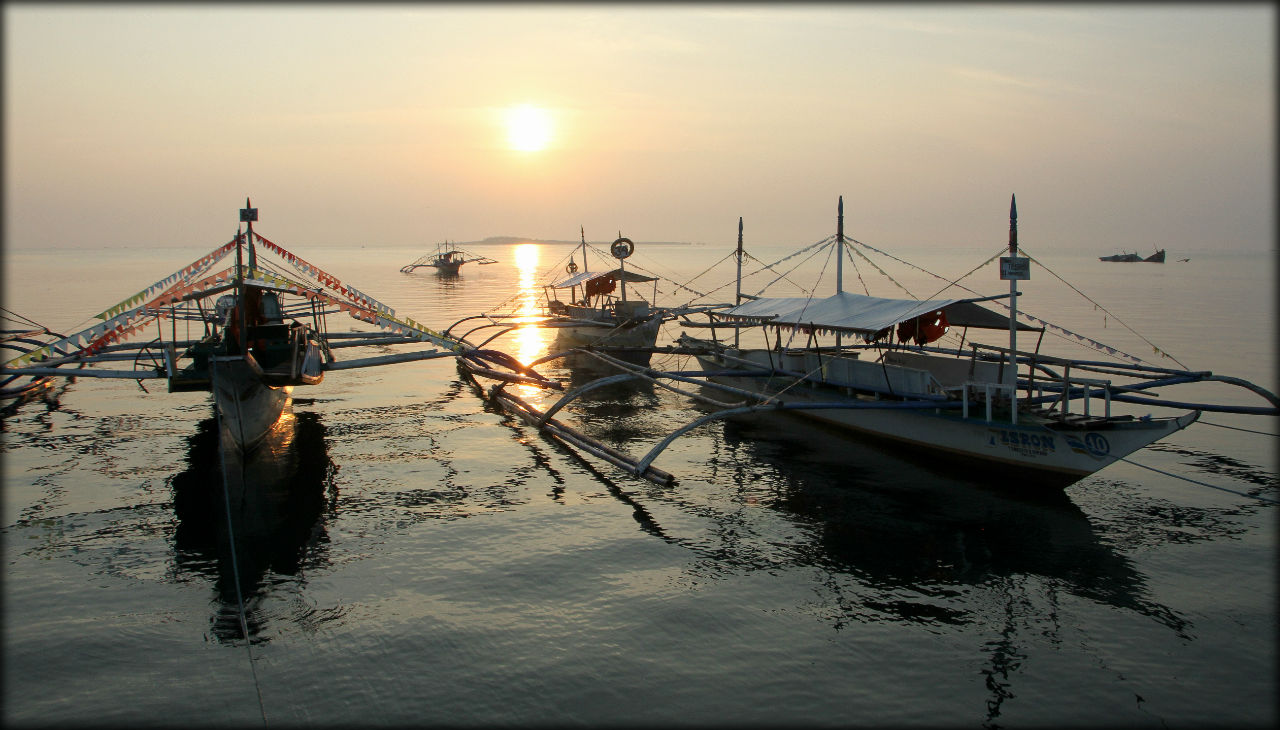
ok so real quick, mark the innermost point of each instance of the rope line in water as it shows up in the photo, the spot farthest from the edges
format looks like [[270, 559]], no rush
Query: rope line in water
[[1237, 428], [231, 538], [1203, 484]]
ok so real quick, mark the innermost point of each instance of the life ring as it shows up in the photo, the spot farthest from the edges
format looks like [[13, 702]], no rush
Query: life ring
[[622, 248], [572, 268]]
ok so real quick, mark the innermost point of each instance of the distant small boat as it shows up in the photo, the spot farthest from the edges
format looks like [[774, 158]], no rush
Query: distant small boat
[[447, 260], [1121, 257], [1128, 258]]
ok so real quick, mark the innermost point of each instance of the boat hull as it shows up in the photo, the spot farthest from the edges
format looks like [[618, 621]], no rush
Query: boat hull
[[579, 333], [247, 406], [1043, 453], [447, 268]]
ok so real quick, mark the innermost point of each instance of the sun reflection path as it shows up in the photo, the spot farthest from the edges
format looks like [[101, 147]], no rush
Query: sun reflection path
[[531, 342]]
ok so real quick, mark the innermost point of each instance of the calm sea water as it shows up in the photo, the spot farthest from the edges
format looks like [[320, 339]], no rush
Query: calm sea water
[[415, 557]]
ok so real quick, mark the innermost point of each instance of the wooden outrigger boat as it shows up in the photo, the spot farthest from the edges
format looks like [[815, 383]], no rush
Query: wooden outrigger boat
[[447, 260], [599, 313], [593, 314], [1026, 415], [262, 332]]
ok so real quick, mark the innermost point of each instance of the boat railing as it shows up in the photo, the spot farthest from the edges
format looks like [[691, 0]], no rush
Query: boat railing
[[1086, 386], [989, 389]]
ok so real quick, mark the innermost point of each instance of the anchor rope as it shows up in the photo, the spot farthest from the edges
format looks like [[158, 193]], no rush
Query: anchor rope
[[1203, 484], [231, 537]]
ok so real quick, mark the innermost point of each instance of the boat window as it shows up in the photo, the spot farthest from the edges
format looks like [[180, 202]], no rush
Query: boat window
[[271, 307]]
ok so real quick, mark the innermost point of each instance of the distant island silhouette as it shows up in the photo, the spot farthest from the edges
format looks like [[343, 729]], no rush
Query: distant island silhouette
[[501, 240]]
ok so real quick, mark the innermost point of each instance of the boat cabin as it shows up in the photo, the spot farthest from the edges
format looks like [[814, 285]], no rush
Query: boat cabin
[[592, 296]]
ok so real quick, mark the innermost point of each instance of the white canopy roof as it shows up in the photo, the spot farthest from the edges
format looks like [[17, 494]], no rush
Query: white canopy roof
[[863, 314], [582, 277]]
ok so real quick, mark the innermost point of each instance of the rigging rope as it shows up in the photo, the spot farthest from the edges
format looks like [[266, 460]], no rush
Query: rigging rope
[[795, 328], [967, 275], [883, 273], [1104, 309], [1203, 484], [1055, 330], [781, 276], [685, 286], [33, 323], [858, 271]]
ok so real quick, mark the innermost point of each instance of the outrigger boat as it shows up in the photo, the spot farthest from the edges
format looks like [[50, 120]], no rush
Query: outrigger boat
[[598, 315], [593, 314], [263, 335], [1023, 414], [1129, 258], [447, 260], [19, 336]]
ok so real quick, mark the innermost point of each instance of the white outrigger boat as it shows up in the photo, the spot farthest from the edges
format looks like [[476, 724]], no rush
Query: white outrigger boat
[[593, 314], [592, 318], [1047, 421], [263, 335]]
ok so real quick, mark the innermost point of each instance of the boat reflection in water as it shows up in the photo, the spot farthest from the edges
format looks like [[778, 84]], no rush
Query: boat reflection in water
[[896, 522], [904, 544], [280, 498]]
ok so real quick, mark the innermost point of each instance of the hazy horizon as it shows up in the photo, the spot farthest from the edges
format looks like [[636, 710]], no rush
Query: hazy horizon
[[1117, 127]]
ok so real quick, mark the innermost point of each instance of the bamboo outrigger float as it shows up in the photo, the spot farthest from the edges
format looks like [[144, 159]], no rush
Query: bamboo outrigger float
[[1032, 417]]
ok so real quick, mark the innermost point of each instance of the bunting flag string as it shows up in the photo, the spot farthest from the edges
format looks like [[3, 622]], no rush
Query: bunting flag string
[[92, 339], [267, 278], [1156, 350], [196, 268], [1101, 347], [325, 278], [405, 326]]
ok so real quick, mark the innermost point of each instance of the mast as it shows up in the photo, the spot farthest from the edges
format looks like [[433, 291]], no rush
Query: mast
[[248, 215], [573, 290], [737, 298], [622, 270], [238, 311], [840, 247], [249, 219], [1013, 307], [839, 256]]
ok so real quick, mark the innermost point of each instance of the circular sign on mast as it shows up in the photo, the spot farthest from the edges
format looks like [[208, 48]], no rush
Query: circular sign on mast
[[622, 248]]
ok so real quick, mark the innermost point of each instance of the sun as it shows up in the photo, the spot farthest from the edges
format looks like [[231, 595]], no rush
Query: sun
[[528, 128]]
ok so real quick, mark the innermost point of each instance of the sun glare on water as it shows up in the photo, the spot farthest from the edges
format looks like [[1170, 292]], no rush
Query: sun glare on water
[[528, 128], [531, 342]]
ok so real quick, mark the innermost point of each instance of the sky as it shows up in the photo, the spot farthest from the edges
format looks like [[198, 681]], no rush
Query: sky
[[1117, 126]]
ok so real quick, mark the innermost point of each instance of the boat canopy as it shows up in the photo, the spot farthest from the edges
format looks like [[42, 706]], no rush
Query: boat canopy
[[866, 315], [582, 277]]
